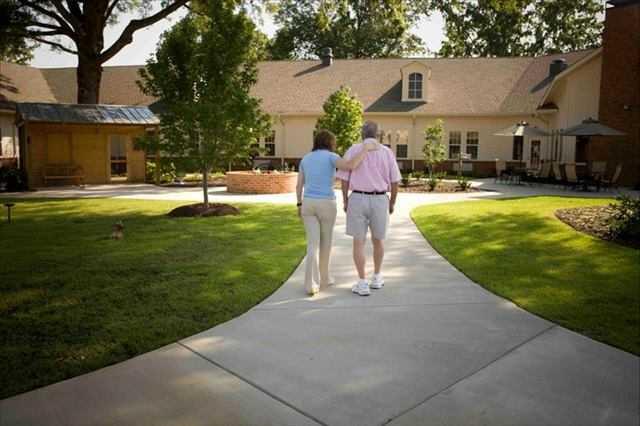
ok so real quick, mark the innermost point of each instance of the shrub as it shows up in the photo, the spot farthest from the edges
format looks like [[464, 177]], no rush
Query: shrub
[[406, 177], [418, 175], [13, 179], [432, 182], [463, 183], [624, 223], [167, 171]]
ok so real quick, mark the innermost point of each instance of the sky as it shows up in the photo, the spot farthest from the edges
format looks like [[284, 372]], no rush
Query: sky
[[145, 40]]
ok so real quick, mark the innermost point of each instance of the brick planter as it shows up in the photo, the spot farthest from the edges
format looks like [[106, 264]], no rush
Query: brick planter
[[248, 182]]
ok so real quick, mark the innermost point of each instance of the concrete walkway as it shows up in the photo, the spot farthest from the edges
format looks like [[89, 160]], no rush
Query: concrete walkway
[[431, 348]]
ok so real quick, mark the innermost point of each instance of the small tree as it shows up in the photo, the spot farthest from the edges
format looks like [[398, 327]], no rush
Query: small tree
[[343, 117], [203, 71], [434, 150]]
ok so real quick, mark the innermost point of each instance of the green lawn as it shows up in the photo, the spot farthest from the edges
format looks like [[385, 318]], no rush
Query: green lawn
[[518, 249], [72, 300]]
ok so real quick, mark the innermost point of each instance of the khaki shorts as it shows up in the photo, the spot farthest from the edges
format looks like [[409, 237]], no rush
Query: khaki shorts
[[367, 212]]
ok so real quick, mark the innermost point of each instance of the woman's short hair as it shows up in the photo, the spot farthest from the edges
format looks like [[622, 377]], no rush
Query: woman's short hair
[[324, 139]]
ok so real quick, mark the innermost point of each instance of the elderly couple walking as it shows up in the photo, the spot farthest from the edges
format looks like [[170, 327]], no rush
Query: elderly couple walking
[[368, 172]]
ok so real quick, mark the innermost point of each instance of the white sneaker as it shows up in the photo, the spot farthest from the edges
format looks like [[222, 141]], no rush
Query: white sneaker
[[377, 282], [361, 288], [315, 289]]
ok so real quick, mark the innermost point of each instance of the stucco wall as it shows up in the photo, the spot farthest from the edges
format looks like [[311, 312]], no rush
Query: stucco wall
[[577, 97], [294, 138], [86, 146]]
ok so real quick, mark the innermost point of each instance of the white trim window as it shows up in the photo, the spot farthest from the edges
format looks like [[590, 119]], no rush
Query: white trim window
[[473, 145], [455, 143], [402, 144], [270, 145], [415, 85]]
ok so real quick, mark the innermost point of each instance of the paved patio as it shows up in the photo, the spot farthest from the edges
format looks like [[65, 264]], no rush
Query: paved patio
[[431, 348]]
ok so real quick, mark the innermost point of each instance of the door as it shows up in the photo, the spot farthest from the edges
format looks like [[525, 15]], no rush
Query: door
[[118, 157], [518, 142], [581, 149], [535, 154]]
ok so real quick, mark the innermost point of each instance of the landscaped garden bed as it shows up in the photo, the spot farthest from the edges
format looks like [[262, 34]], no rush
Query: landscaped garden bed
[[443, 186], [72, 299], [519, 249]]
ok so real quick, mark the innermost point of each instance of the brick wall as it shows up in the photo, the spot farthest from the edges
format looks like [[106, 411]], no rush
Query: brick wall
[[262, 183], [620, 86]]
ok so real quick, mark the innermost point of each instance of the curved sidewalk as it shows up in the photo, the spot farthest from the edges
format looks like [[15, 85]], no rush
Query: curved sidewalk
[[431, 348]]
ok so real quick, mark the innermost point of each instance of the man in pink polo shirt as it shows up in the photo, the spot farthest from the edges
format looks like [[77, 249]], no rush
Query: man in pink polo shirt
[[368, 206]]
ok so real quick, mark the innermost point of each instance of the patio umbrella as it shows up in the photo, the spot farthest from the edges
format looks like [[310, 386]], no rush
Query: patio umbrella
[[522, 129], [591, 127]]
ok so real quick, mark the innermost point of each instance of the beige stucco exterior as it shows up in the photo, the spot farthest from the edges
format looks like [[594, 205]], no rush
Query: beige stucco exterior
[[577, 97], [294, 134], [82, 145]]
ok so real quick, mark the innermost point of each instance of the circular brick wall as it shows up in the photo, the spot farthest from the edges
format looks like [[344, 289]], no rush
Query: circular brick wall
[[261, 183]]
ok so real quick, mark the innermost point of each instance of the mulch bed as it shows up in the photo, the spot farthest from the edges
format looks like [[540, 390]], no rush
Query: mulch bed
[[442, 187], [199, 210], [217, 181], [421, 186], [592, 221]]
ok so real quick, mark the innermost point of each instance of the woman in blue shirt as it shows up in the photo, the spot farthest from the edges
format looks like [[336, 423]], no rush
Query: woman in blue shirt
[[318, 207]]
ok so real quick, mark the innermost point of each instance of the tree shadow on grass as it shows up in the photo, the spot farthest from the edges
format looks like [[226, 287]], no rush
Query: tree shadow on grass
[[580, 282], [73, 300]]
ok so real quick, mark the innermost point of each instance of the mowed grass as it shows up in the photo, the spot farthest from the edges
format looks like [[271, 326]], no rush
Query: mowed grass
[[72, 300], [518, 249]]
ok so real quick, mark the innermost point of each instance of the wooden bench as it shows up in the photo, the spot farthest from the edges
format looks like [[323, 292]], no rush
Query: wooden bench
[[70, 172]]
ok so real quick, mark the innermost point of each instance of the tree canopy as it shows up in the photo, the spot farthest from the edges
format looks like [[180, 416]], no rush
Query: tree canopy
[[202, 74], [343, 117], [352, 28], [518, 27], [76, 27]]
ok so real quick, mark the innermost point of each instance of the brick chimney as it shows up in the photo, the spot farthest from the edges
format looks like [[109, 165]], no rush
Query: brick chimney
[[620, 89]]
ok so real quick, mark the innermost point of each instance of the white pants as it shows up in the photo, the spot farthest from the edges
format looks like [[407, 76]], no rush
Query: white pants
[[319, 218]]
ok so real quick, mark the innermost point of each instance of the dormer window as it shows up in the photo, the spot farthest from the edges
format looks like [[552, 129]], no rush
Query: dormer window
[[415, 85]]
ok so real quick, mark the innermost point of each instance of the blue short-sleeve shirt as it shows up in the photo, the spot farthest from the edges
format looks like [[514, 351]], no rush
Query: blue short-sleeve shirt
[[319, 168]]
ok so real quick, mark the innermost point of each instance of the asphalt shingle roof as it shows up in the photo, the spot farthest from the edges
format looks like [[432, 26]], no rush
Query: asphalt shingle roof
[[460, 86]]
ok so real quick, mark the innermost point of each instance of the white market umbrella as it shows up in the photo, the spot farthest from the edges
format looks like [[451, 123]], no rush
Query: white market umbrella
[[522, 129]]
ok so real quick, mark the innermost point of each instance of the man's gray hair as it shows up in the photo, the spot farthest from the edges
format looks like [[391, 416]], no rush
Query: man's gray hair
[[369, 130]]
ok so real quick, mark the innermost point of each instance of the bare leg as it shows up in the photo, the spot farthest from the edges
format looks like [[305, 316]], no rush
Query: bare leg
[[378, 254], [358, 256]]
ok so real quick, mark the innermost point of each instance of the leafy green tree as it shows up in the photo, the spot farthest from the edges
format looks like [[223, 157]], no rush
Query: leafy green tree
[[352, 28], [518, 27], [202, 73], [343, 117], [434, 150], [56, 22]]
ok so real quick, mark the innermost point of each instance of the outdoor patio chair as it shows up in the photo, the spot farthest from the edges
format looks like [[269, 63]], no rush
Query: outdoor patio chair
[[541, 175], [613, 181], [598, 168]]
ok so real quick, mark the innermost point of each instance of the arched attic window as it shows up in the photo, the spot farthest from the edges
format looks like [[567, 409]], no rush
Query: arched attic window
[[415, 85]]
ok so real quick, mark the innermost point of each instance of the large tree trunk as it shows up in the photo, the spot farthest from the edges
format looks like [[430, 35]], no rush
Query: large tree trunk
[[89, 77]]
